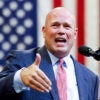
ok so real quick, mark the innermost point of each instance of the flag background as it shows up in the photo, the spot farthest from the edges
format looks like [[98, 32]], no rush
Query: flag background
[[21, 22]]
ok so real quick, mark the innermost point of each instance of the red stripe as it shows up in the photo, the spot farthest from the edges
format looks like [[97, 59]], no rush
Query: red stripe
[[57, 3], [81, 31]]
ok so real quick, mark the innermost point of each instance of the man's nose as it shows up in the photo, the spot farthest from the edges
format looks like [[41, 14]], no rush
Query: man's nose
[[61, 30]]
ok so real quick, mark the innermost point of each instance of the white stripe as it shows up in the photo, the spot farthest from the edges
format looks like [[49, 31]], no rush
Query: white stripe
[[44, 6], [91, 30], [71, 6]]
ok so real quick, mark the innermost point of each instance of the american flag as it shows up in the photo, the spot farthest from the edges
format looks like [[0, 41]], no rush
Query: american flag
[[21, 22], [18, 26]]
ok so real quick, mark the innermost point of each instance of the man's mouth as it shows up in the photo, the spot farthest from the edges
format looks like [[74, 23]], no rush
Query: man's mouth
[[60, 40]]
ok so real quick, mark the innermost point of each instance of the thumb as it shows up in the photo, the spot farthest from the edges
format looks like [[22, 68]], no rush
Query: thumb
[[37, 59]]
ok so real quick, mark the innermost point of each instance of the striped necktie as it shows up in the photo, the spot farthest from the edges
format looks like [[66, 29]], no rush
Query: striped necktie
[[61, 81]]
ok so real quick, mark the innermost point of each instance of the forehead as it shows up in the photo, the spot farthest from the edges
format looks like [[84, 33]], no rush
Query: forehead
[[60, 15]]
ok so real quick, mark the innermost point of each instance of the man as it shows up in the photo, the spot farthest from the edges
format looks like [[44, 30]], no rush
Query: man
[[32, 74]]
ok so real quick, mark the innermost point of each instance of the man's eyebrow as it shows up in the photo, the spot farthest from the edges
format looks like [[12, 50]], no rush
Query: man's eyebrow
[[53, 23], [66, 24]]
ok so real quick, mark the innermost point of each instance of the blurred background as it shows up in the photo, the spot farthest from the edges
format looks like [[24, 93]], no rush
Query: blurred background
[[21, 22]]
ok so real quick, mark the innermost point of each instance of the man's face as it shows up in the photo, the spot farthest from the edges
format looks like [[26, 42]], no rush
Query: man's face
[[59, 33]]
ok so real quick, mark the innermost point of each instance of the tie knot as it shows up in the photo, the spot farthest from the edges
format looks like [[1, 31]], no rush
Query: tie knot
[[61, 61], [60, 64]]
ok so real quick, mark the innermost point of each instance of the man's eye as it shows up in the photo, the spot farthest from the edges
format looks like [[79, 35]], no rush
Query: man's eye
[[55, 25], [67, 26]]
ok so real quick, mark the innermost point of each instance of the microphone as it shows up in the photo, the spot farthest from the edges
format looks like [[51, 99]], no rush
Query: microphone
[[86, 51]]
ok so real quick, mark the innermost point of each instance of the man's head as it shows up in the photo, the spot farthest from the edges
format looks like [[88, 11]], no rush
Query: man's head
[[59, 31]]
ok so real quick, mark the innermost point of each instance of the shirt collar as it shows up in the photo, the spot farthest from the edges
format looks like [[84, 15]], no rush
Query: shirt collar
[[54, 59]]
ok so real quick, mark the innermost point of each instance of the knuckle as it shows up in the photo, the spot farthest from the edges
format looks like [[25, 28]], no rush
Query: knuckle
[[34, 75]]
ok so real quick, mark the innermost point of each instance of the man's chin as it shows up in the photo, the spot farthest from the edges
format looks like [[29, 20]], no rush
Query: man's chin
[[60, 54], [61, 49]]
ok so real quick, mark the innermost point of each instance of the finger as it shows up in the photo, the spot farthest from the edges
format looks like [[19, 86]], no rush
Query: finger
[[42, 82], [36, 88], [38, 85], [37, 60], [44, 77]]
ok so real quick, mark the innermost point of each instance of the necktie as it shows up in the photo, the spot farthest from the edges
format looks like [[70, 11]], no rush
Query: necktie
[[61, 81]]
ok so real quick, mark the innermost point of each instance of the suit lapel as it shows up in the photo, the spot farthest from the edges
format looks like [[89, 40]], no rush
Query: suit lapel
[[81, 81], [46, 66]]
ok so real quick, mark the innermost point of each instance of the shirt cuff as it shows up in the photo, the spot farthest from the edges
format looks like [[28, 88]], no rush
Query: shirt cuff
[[18, 84]]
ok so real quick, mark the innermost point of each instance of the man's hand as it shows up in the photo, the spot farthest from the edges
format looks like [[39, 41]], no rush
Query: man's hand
[[35, 78]]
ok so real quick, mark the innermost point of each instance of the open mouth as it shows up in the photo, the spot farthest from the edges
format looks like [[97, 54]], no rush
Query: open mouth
[[61, 40]]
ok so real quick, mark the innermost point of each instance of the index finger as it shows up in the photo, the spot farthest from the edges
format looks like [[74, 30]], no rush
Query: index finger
[[44, 77]]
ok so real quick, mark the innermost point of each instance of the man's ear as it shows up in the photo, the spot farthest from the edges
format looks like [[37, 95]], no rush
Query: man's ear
[[43, 31], [76, 33]]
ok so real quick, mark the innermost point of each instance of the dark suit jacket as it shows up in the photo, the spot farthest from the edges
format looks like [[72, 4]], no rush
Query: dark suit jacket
[[87, 81]]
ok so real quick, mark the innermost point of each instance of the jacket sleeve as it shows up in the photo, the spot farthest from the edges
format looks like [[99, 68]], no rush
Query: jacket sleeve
[[12, 64]]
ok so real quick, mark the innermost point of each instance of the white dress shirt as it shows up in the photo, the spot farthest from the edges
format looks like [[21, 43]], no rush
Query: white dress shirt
[[72, 89]]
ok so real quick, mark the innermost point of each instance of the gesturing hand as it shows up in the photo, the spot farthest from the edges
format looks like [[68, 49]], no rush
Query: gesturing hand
[[35, 78]]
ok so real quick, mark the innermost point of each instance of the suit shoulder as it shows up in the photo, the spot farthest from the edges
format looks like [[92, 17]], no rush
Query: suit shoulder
[[23, 52], [20, 57], [87, 71], [84, 69]]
